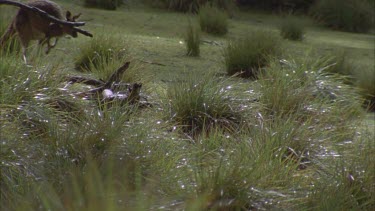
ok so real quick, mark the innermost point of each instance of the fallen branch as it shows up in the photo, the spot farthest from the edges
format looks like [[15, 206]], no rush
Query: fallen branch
[[85, 80], [112, 91], [115, 77]]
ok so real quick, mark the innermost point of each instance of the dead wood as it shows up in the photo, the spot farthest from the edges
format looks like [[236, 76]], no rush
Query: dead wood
[[112, 91], [115, 77], [85, 80]]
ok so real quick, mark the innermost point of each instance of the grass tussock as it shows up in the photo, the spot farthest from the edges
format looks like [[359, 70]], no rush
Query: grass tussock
[[346, 183], [199, 104], [47, 135], [348, 15], [12, 44], [103, 55], [360, 76], [292, 88], [213, 20], [192, 40], [115, 157], [292, 29], [340, 63], [365, 80], [247, 56], [192, 5], [99, 51]]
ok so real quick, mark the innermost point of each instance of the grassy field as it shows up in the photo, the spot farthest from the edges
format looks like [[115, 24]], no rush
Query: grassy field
[[208, 141]]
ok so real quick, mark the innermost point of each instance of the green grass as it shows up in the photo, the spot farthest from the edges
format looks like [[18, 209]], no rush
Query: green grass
[[213, 20], [341, 64], [198, 104], [247, 56], [292, 28], [291, 140], [103, 4], [190, 5], [12, 44], [365, 81], [192, 40], [348, 15], [101, 50]]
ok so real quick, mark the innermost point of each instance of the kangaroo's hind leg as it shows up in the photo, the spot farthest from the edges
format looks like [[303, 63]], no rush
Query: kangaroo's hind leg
[[25, 44]]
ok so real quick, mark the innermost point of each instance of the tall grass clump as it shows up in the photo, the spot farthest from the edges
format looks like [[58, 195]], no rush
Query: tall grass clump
[[292, 86], [346, 15], [292, 29], [346, 182], [199, 104], [104, 68], [286, 90], [360, 76], [12, 45], [192, 40], [365, 80], [339, 63], [6, 18], [303, 90], [100, 49], [27, 112], [238, 172], [102, 59], [213, 20], [103, 4], [247, 56], [46, 136], [184, 5], [191, 5]]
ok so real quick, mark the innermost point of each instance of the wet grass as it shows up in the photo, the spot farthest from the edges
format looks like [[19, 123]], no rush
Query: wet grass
[[295, 139]]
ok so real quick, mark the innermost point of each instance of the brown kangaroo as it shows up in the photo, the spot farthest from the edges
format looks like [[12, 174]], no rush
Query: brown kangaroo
[[31, 26]]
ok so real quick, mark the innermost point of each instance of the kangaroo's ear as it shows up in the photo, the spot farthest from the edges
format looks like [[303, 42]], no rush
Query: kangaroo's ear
[[68, 15], [76, 16]]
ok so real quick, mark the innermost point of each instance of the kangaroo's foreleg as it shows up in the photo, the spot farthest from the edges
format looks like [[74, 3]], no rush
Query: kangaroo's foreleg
[[47, 40], [49, 45]]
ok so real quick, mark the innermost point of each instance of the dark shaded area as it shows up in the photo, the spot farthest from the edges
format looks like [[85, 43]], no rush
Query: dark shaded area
[[278, 5], [103, 4]]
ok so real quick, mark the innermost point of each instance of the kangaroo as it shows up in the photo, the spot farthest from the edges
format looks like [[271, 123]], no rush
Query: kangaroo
[[31, 26]]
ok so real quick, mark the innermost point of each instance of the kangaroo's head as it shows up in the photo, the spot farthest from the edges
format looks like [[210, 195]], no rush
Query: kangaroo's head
[[68, 29]]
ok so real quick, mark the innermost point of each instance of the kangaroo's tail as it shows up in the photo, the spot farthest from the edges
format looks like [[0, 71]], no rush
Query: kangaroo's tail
[[8, 34]]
